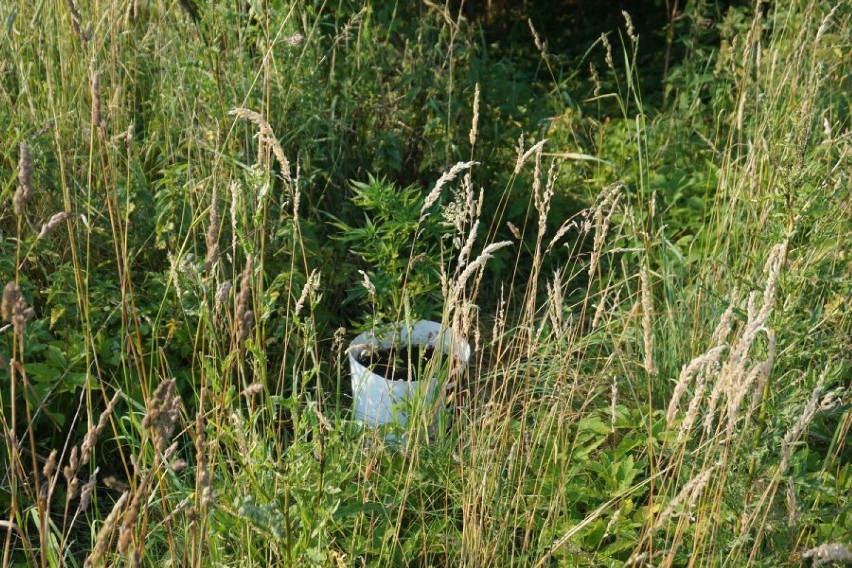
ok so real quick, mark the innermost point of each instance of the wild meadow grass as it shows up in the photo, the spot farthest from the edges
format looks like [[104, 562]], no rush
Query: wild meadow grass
[[203, 207]]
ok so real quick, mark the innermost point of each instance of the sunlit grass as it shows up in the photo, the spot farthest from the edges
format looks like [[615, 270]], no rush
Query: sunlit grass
[[655, 297]]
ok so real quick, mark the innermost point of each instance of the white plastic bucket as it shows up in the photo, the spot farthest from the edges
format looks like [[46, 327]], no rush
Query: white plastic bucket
[[378, 401]]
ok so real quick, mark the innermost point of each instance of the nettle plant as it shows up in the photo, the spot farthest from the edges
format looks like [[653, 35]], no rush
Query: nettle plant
[[399, 249]]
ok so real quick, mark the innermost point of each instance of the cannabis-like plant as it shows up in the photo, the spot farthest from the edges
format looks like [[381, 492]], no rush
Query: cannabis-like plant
[[399, 252]]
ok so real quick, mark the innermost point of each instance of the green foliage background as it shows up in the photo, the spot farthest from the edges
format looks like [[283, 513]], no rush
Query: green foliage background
[[723, 129]]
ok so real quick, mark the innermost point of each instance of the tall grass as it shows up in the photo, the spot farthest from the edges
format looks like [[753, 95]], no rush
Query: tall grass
[[658, 378]]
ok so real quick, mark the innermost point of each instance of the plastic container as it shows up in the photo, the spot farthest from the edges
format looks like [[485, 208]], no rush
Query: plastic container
[[378, 401]]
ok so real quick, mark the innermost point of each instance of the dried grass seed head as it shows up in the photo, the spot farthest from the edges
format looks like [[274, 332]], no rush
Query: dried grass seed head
[[294, 39], [599, 218], [793, 510], [596, 79], [547, 196], [368, 284], [795, 432], [647, 323], [203, 483], [86, 492], [105, 533], [267, 136], [540, 44], [555, 303], [163, 414], [687, 496], [25, 168], [310, 288], [698, 396], [338, 341], [460, 282], [252, 390], [462, 208], [77, 23], [92, 435], [128, 524], [244, 316], [222, 293], [687, 374], [474, 124], [608, 48], [14, 309], [50, 464], [24, 192], [631, 31], [829, 553], [464, 254], [445, 178], [97, 119], [244, 325], [56, 220], [212, 237], [523, 156]]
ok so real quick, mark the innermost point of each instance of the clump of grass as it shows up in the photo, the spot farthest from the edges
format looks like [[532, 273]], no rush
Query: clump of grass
[[648, 385]]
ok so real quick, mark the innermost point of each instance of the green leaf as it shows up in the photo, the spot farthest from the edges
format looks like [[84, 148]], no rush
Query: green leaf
[[43, 372], [594, 423]]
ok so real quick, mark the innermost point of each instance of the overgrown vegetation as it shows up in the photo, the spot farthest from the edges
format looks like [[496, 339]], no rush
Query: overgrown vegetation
[[202, 207]]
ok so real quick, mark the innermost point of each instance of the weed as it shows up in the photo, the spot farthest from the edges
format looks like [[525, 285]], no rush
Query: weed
[[203, 203]]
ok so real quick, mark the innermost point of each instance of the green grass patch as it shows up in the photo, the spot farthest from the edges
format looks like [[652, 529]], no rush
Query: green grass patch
[[643, 239]]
